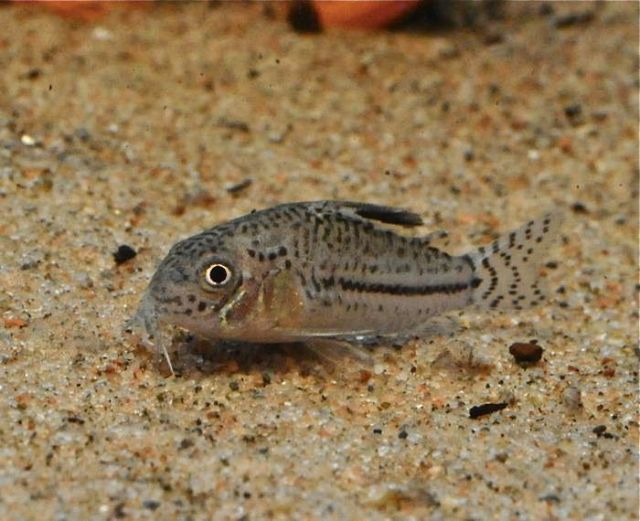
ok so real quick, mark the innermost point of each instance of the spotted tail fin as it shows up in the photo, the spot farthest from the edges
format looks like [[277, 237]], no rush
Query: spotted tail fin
[[507, 270]]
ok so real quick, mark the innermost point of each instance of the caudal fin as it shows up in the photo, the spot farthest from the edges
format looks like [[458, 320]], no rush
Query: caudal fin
[[507, 270]]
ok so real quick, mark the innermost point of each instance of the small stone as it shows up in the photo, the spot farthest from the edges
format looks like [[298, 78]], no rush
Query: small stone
[[123, 254], [83, 279], [240, 187], [573, 113], [579, 207], [502, 457], [102, 35], [151, 504], [234, 124], [403, 434], [33, 74], [486, 408], [234, 385], [526, 352], [572, 397], [27, 140], [364, 376], [82, 134], [533, 155], [186, 443], [599, 430]]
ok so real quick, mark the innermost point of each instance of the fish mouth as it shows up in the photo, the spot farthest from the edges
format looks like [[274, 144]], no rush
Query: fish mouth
[[144, 322]]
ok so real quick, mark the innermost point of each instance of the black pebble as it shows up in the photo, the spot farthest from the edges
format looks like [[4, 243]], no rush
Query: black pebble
[[579, 207], [124, 253], [573, 111], [403, 434], [485, 408], [303, 17], [33, 74], [601, 432]]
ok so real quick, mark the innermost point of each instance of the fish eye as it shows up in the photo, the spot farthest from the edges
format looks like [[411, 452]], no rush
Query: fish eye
[[217, 275]]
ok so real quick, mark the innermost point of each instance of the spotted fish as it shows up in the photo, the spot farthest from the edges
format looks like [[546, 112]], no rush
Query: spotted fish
[[330, 269]]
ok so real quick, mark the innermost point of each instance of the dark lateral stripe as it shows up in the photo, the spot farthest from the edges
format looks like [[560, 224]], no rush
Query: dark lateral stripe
[[396, 289]]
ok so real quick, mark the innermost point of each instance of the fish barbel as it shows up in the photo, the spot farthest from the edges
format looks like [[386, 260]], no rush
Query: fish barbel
[[328, 269]]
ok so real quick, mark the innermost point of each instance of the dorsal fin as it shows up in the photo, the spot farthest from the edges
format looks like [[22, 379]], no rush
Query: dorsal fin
[[383, 214]]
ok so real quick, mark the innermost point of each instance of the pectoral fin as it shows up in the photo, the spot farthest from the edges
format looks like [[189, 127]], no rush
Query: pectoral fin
[[336, 351]]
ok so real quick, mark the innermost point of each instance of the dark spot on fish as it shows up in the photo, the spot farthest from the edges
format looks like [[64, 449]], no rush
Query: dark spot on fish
[[170, 300]]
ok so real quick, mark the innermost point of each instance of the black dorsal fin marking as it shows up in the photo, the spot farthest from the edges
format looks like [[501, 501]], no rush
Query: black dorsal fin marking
[[384, 214], [349, 209]]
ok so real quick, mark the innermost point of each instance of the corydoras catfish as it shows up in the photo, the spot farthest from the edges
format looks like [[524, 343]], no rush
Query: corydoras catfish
[[331, 269]]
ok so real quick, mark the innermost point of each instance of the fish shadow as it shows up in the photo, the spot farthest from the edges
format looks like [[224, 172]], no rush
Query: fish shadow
[[197, 358]]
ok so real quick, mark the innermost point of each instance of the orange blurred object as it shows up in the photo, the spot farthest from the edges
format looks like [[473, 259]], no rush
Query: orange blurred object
[[363, 14], [84, 10]]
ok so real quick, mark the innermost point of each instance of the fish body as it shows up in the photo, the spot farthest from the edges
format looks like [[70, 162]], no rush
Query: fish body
[[330, 269]]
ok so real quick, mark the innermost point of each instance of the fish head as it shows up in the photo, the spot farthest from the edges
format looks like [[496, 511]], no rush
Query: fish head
[[193, 283]]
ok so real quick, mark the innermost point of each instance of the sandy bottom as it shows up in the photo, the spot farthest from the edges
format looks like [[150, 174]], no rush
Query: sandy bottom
[[131, 131]]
